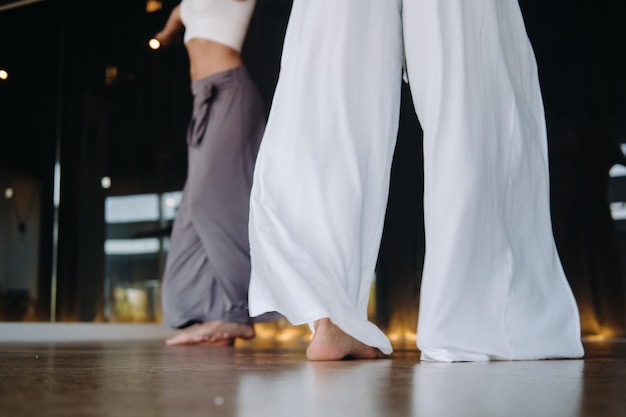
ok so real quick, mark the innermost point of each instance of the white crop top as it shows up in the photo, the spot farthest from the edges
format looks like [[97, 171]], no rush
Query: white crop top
[[223, 21]]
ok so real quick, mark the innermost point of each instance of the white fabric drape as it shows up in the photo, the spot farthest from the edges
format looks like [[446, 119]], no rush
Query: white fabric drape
[[493, 286]]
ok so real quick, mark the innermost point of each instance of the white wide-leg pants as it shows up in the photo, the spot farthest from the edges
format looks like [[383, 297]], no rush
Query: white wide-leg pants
[[493, 286]]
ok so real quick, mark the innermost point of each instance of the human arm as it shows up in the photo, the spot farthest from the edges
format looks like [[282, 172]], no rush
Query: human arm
[[172, 29]]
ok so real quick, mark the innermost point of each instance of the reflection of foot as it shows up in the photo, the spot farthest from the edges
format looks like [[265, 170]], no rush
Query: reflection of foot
[[330, 343], [212, 333]]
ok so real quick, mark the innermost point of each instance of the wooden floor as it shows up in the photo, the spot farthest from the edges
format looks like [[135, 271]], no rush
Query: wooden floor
[[147, 378]]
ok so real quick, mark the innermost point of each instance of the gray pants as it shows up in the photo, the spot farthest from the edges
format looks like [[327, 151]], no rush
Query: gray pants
[[208, 265]]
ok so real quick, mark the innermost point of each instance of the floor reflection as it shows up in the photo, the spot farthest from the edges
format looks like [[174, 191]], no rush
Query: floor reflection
[[317, 389], [388, 387], [539, 388]]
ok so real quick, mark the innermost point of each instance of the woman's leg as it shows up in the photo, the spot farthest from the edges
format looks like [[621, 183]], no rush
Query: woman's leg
[[493, 286], [321, 180], [208, 268]]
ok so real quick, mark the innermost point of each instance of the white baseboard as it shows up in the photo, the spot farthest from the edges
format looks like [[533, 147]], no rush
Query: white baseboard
[[82, 332]]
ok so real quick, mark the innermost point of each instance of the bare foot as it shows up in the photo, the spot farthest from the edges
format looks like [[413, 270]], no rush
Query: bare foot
[[330, 343], [212, 333]]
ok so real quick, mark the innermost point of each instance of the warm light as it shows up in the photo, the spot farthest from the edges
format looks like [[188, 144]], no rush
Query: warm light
[[395, 337], [106, 182], [170, 202], [402, 332], [110, 75], [410, 336], [9, 193], [153, 5], [281, 331], [3, 75], [606, 333], [154, 43]]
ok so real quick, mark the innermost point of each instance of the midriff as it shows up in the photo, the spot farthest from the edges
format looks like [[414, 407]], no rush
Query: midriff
[[207, 57]]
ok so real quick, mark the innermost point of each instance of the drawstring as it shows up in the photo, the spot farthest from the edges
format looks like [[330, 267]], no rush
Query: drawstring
[[200, 118]]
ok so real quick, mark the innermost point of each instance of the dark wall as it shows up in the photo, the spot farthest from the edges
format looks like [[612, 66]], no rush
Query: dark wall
[[30, 51], [578, 46]]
